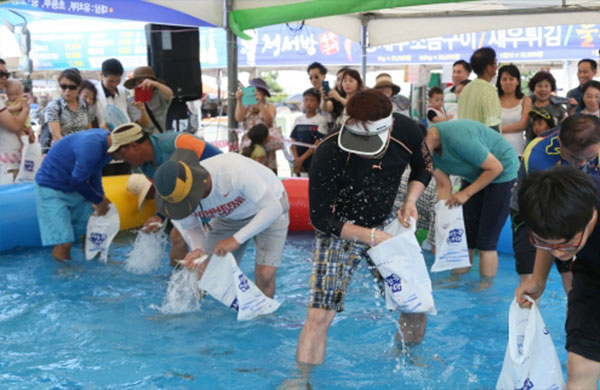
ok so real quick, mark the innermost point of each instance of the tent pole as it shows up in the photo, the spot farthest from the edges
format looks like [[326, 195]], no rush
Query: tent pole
[[232, 79], [364, 43]]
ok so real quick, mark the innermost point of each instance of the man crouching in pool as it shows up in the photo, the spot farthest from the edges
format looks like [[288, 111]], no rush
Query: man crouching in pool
[[146, 153], [354, 179], [560, 206], [242, 198], [68, 188]]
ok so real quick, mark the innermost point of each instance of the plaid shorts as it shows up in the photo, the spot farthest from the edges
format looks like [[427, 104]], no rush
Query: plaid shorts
[[334, 262]]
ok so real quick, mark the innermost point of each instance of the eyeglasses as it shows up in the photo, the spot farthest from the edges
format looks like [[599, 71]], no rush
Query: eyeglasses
[[4, 74], [71, 87], [553, 247]]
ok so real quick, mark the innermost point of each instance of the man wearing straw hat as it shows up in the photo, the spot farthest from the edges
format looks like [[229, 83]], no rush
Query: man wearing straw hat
[[147, 152], [68, 188], [242, 198], [147, 84]]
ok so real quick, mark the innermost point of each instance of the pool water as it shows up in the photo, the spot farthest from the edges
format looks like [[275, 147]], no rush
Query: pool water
[[88, 325]]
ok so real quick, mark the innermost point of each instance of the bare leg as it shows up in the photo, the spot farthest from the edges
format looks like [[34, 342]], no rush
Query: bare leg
[[311, 345], [582, 373], [412, 327], [488, 263], [264, 276], [178, 247], [567, 281], [62, 252], [461, 271]]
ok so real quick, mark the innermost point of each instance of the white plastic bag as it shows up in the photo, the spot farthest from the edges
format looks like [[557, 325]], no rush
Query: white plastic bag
[[30, 161], [225, 282], [451, 249], [400, 262], [530, 361], [100, 233]]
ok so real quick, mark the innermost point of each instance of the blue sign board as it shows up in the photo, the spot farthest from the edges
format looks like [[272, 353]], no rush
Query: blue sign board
[[112, 9], [71, 41]]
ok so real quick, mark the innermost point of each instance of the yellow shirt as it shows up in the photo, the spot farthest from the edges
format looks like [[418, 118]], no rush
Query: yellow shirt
[[479, 101], [258, 152]]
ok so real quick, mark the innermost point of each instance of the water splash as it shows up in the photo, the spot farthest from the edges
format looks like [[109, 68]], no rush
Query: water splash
[[147, 251], [183, 294]]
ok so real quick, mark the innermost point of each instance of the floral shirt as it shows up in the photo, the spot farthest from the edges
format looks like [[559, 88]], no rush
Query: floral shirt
[[70, 121], [272, 144]]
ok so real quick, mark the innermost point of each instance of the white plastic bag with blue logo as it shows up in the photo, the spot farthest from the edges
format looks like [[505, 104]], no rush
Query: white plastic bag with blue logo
[[401, 264], [451, 250], [225, 282], [530, 361], [101, 230], [31, 160]]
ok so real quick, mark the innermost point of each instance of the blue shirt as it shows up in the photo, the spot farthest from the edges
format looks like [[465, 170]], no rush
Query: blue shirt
[[465, 146], [542, 154], [308, 134], [74, 164]]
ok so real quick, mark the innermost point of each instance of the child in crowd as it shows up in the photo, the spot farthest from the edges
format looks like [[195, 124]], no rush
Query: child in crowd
[[256, 150], [435, 109], [15, 103], [542, 120], [309, 129]]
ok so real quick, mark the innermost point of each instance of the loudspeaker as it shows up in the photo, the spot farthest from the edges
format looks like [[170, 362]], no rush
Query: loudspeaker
[[174, 55]]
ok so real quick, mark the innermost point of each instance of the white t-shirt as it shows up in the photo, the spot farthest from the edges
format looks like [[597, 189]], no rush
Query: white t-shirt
[[239, 185], [120, 100], [450, 100], [318, 120], [10, 147]]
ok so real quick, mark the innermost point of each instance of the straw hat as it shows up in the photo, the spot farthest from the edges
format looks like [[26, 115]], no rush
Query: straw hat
[[139, 186], [142, 72], [385, 80]]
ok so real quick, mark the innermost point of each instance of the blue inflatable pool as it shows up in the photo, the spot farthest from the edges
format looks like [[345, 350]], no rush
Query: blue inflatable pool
[[19, 222], [19, 225]]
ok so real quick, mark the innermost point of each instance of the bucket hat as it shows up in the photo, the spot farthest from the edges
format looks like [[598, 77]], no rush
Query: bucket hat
[[385, 80], [260, 83], [142, 72]]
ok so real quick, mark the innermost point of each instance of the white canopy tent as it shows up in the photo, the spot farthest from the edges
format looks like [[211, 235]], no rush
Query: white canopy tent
[[401, 24], [379, 22]]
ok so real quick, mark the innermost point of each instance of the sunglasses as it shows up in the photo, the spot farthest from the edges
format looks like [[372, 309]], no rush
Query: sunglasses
[[71, 87], [553, 247], [4, 74]]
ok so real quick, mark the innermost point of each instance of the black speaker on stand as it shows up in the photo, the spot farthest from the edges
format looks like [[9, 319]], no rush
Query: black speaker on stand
[[174, 55]]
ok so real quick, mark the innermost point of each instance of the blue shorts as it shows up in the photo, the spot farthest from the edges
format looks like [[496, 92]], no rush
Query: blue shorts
[[62, 216]]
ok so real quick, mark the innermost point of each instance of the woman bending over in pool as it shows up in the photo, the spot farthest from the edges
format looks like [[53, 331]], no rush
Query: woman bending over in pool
[[354, 179], [488, 165]]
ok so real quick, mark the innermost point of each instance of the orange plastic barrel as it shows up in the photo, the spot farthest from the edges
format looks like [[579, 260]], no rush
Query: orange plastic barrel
[[297, 191]]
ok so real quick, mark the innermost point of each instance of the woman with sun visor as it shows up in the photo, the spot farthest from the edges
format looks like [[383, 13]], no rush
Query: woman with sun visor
[[354, 179]]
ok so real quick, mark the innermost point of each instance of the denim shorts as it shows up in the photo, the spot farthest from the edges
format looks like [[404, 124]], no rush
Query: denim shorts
[[62, 216]]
